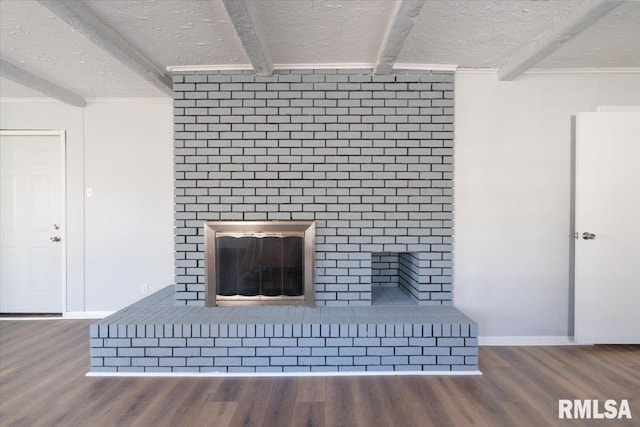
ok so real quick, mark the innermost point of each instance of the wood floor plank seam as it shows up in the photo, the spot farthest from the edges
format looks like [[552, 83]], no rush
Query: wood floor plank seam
[[43, 383]]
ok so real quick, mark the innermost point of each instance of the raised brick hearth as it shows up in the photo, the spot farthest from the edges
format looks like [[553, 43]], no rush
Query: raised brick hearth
[[155, 335]]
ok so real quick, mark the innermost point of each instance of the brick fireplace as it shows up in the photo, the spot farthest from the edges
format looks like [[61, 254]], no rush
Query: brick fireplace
[[368, 158], [369, 161]]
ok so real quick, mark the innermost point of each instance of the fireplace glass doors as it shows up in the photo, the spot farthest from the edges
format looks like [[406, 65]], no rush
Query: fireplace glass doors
[[251, 266], [259, 263]]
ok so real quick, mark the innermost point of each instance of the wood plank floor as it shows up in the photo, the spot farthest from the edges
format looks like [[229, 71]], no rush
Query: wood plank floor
[[42, 383]]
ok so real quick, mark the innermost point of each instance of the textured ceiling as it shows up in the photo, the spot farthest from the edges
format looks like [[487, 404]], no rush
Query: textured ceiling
[[307, 32], [467, 33], [614, 41], [478, 34], [175, 32], [34, 39]]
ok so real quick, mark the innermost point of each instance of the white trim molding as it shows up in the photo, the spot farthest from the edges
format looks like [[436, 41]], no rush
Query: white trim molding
[[69, 315], [525, 340], [129, 100], [216, 67], [426, 67], [282, 374], [43, 99], [326, 66], [87, 314], [247, 67], [399, 66], [629, 70], [617, 108], [467, 70], [89, 100]]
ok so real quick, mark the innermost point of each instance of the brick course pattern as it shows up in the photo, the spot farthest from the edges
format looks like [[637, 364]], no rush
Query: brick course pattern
[[369, 158], [154, 335]]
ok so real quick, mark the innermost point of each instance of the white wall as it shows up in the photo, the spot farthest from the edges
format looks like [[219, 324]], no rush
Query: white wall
[[129, 218], [123, 235], [513, 194]]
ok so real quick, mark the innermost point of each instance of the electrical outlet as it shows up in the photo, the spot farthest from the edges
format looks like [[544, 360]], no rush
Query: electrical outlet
[[144, 289]]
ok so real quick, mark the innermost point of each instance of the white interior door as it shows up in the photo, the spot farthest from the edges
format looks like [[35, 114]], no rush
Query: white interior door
[[607, 258], [31, 220]]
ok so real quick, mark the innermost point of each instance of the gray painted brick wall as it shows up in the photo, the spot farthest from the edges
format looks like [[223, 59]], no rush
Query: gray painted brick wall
[[299, 352], [385, 269], [369, 158], [329, 347]]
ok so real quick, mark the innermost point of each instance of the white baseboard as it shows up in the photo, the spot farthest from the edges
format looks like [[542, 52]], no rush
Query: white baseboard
[[526, 340], [87, 314], [279, 374], [70, 315]]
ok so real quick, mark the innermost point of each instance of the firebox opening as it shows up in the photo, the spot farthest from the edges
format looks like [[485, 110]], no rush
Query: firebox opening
[[259, 263], [252, 266]]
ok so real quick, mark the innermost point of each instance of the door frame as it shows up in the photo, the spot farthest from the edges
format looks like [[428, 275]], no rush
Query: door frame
[[62, 141]]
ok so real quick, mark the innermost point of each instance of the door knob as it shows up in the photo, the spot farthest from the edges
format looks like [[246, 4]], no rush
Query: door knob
[[588, 236], [55, 239]]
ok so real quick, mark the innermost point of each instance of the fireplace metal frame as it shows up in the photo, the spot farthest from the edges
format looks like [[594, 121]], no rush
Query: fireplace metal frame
[[304, 229]]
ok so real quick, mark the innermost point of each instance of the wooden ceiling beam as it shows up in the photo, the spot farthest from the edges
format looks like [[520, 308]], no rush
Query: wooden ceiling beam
[[402, 19], [25, 78], [561, 32], [244, 18], [76, 14]]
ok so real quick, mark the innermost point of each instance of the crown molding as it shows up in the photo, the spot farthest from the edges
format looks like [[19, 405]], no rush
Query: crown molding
[[425, 67], [618, 70], [316, 66], [613, 70], [89, 100], [217, 67]]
